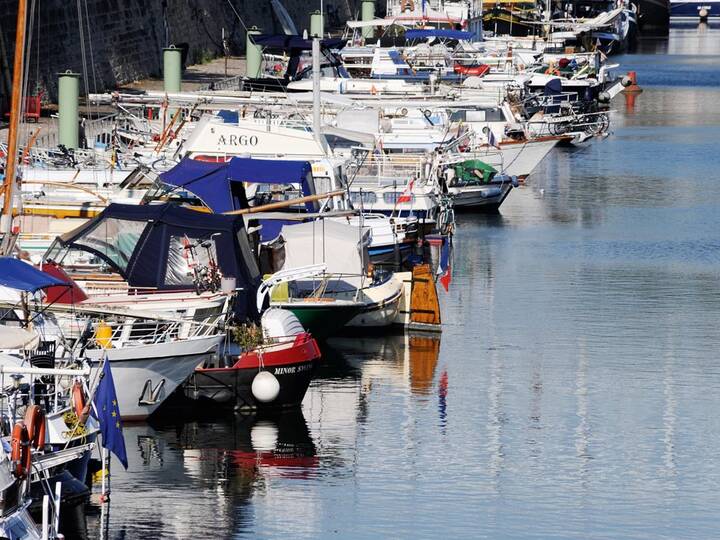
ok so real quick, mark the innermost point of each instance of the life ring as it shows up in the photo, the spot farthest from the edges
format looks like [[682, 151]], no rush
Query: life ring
[[477, 71], [20, 449], [405, 4], [35, 422], [79, 401]]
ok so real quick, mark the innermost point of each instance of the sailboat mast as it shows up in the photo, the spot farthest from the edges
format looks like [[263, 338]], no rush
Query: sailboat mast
[[13, 134]]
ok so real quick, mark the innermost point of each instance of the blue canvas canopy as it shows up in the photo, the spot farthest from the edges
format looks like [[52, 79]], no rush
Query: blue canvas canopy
[[229, 117], [21, 276], [220, 185], [147, 246], [439, 33]]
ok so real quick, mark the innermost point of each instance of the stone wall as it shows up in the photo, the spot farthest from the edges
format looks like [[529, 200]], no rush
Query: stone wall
[[124, 38]]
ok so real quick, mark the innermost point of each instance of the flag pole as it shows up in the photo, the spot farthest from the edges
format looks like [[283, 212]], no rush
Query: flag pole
[[104, 471]]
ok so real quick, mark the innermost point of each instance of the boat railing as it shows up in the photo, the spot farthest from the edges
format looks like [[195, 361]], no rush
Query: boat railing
[[388, 169], [136, 331], [97, 130], [27, 383]]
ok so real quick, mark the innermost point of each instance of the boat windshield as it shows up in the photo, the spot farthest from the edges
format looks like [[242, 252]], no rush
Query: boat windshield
[[107, 247]]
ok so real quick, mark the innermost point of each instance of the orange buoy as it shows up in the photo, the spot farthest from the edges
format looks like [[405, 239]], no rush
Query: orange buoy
[[630, 83]]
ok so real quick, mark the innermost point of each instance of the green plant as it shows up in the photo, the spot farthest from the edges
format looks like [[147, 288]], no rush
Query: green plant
[[247, 335]]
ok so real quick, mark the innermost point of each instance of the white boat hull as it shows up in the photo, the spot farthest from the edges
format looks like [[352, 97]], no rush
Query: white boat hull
[[520, 159], [489, 196], [383, 307], [171, 362]]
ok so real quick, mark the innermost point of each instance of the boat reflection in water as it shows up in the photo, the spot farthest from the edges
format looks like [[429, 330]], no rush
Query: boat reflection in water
[[407, 361], [223, 462], [355, 371], [234, 476]]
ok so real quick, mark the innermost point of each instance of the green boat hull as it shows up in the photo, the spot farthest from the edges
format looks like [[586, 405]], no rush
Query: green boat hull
[[322, 321]]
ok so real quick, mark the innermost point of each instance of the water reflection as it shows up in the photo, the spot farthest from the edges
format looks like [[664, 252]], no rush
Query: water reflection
[[196, 479]]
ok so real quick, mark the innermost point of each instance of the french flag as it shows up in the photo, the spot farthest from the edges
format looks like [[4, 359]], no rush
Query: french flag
[[445, 269], [492, 141]]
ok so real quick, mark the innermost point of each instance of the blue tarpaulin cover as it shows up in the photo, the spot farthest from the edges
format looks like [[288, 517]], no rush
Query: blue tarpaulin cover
[[214, 183], [439, 33], [149, 249], [229, 117], [21, 276]]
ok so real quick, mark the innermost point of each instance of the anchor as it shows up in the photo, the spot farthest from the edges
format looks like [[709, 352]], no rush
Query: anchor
[[149, 395]]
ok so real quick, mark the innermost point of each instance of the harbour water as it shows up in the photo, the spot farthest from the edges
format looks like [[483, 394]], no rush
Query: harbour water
[[576, 386]]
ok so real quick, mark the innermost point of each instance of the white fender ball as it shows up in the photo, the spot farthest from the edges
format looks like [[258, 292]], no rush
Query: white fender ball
[[263, 436], [265, 387]]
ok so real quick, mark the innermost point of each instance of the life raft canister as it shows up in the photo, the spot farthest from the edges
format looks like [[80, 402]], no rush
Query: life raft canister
[[20, 449]]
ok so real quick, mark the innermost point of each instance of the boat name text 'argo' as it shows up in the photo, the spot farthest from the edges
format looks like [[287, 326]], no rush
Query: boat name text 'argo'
[[238, 140]]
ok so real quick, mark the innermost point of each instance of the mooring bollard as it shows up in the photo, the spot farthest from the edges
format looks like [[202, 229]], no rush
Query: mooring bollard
[[172, 69], [253, 54], [68, 117], [367, 11], [317, 24]]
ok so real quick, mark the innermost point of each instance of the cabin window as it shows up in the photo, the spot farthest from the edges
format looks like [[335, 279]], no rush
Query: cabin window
[[114, 239], [391, 197], [8, 315], [494, 115], [362, 197], [188, 258]]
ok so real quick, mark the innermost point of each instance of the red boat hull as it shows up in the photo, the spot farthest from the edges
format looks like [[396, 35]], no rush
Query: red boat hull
[[292, 364]]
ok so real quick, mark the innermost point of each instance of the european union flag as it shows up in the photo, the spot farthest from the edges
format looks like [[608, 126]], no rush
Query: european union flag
[[108, 414]]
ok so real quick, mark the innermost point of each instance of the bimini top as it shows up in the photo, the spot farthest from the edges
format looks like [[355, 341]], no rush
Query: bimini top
[[21, 276], [219, 185], [157, 246], [293, 43], [439, 33]]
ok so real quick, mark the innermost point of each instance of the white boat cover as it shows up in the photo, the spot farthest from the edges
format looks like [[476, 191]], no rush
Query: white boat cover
[[343, 248], [280, 323], [13, 337]]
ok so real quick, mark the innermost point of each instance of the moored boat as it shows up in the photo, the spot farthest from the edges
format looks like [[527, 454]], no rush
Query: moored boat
[[290, 363]]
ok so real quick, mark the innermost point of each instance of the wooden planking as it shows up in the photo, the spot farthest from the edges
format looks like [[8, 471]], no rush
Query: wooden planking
[[424, 305]]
